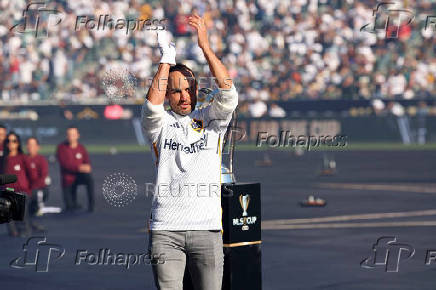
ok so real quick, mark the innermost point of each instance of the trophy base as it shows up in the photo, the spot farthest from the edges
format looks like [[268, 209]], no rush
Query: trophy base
[[240, 202], [242, 268]]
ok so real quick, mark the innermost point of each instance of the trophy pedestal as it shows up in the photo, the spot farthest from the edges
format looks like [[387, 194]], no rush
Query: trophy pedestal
[[241, 238], [242, 268]]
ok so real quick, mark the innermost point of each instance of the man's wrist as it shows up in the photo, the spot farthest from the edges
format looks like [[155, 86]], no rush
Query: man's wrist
[[168, 58], [206, 49]]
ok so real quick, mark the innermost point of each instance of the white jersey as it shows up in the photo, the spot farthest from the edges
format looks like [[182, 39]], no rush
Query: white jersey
[[187, 154]]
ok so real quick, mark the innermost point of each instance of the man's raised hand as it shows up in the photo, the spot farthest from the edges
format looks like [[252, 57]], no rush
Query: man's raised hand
[[167, 48], [198, 23]]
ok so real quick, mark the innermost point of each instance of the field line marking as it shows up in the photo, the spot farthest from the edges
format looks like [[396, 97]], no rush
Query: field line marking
[[368, 216], [430, 188], [351, 225]]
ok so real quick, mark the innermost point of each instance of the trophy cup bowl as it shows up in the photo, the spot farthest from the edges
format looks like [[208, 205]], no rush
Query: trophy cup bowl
[[204, 99], [226, 175]]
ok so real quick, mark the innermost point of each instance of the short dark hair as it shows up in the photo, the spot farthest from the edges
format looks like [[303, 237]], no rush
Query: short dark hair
[[188, 73], [3, 126], [34, 138], [72, 127]]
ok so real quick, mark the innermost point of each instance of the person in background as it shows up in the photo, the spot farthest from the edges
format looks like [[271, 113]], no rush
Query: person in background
[[75, 170], [3, 133], [276, 111], [258, 108], [37, 167], [14, 162], [421, 115]]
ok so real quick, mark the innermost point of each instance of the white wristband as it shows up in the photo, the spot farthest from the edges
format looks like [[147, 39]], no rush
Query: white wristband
[[169, 54], [167, 48]]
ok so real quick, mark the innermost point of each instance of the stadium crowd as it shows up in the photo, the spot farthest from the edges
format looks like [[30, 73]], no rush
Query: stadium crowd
[[275, 50]]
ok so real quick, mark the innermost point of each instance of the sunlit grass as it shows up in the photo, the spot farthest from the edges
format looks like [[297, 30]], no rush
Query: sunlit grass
[[132, 148]]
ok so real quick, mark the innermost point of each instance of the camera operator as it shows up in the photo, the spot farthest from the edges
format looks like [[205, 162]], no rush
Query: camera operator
[[13, 161]]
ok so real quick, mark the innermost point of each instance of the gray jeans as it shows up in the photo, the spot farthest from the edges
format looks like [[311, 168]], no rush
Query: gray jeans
[[201, 251]]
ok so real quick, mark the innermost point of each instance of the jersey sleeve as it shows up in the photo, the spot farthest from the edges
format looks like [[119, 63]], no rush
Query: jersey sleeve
[[152, 117], [218, 115]]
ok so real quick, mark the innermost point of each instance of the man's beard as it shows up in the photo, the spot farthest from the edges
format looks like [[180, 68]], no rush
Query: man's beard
[[183, 113]]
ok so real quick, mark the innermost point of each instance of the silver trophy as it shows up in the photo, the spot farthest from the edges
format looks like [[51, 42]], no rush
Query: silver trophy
[[227, 173], [204, 99]]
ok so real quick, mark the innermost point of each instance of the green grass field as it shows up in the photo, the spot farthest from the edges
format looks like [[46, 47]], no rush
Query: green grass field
[[132, 148]]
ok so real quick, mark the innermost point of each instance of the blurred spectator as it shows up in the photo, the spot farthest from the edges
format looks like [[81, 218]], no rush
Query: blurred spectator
[[397, 110], [276, 112], [397, 84], [76, 170], [68, 114], [257, 109], [422, 113], [37, 167], [378, 106]]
